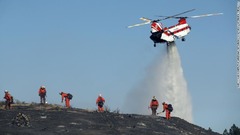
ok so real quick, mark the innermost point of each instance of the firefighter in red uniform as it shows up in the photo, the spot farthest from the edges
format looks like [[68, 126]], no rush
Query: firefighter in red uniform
[[67, 100], [154, 105], [165, 108], [42, 94], [9, 100], [100, 102]]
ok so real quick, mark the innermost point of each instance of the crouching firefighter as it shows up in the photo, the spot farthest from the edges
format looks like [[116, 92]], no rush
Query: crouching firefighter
[[100, 102], [168, 109], [154, 105], [67, 97]]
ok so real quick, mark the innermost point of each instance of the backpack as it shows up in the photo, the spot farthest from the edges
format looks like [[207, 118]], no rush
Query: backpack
[[69, 96], [170, 108], [100, 104]]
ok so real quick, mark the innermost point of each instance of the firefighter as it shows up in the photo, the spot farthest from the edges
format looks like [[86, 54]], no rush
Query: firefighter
[[167, 109], [42, 94], [100, 102], [67, 99], [154, 105], [9, 100]]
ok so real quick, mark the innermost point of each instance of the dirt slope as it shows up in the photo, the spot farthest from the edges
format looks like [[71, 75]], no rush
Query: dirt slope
[[52, 120]]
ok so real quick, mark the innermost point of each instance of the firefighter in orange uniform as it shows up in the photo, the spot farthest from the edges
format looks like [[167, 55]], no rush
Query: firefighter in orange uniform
[[154, 105], [165, 108], [42, 94], [100, 102], [9, 100], [67, 100]]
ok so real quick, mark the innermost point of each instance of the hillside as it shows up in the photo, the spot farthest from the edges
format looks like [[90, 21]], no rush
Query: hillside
[[52, 119]]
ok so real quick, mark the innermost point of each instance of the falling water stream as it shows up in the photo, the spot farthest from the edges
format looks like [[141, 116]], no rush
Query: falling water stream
[[164, 79]]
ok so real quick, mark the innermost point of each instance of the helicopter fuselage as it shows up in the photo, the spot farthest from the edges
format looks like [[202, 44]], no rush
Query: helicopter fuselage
[[170, 34]]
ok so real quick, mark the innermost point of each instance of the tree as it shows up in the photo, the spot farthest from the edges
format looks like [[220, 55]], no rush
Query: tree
[[209, 129], [225, 132], [234, 130]]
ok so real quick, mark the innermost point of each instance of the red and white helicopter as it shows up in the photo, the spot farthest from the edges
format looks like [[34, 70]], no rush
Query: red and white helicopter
[[169, 34]]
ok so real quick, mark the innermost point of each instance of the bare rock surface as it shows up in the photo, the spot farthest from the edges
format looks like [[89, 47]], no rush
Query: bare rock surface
[[56, 120]]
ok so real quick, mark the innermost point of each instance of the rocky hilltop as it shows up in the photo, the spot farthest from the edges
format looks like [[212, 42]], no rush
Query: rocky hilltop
[[34, 119]]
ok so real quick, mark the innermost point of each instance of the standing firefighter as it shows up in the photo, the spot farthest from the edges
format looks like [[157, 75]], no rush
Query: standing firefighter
[[154, 105], [42, 94], [9, 100], [100, 102], [168, 108], [67, 97]]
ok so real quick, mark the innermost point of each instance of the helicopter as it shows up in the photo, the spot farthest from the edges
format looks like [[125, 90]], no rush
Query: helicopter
[[170, 34]]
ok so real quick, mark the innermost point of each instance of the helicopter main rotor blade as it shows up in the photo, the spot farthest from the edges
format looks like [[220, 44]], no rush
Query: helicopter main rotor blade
[[205, 15], [139, 24], [173, 16], [182, 13], [197, 16], [147, 21]]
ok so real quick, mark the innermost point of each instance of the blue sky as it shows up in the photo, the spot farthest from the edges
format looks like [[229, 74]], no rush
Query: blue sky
[[84, 47]]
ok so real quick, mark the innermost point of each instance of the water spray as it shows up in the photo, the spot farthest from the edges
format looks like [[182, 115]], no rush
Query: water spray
[[165, 80]]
